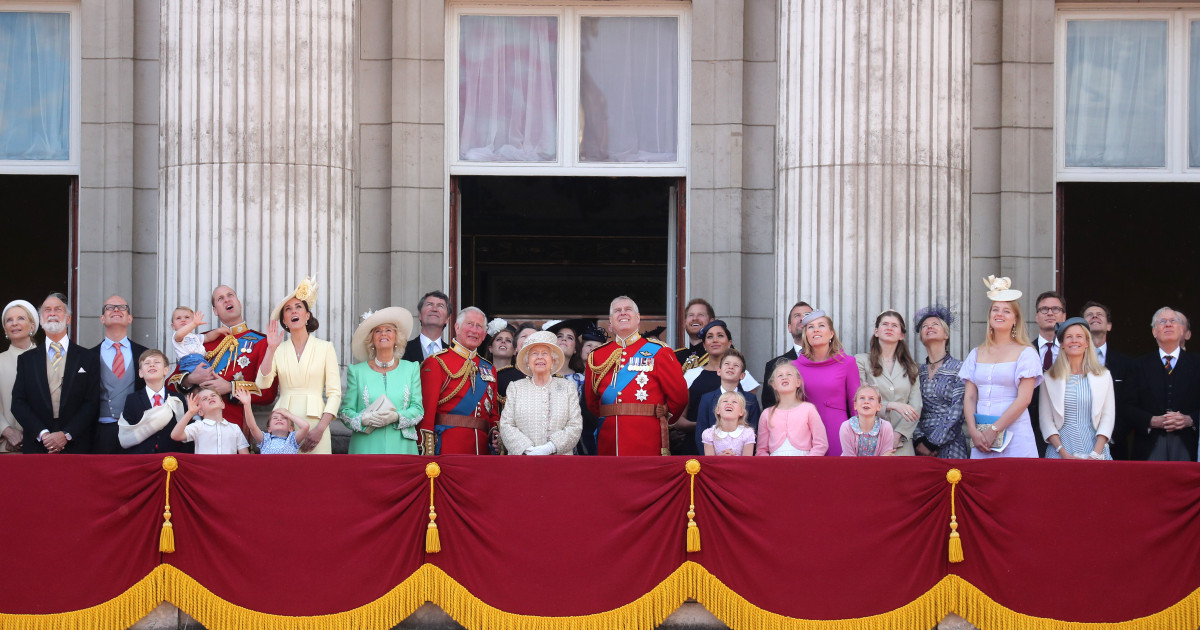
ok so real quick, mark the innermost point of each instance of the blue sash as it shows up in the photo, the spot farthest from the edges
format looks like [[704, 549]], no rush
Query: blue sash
[[625, 375], [245, 345], [471, 397]]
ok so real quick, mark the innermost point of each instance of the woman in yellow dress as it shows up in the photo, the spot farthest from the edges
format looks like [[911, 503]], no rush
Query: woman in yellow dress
[[310, 383]]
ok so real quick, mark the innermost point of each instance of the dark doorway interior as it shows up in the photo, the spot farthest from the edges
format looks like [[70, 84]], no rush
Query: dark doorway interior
[[37, 235], [1132, 247], [559, 247]]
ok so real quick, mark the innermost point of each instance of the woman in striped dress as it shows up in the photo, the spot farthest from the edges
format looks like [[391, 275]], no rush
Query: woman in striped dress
[[1078, 406]]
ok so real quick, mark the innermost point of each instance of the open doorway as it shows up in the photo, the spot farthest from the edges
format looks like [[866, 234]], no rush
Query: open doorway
[[39, 229], [1131, 246], [563, 247]]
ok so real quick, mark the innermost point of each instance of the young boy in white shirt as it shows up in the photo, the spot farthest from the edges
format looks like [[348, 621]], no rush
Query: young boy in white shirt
[[213, 434]]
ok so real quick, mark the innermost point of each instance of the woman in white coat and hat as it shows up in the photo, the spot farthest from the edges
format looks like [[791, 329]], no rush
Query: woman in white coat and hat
[[541, 415], [310, 383], [382, 405]]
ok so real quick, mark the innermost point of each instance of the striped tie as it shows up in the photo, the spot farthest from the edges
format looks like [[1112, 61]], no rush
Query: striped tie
[[1167, 364], [56, 361], [118, 367]]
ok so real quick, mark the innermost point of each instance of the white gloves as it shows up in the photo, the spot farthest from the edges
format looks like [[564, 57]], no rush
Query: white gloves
[[378, 419], [546, 449]]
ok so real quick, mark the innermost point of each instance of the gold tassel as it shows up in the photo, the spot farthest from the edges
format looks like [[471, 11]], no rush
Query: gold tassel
[[693, 531], [433, 543], [956, 553], [166, 539]]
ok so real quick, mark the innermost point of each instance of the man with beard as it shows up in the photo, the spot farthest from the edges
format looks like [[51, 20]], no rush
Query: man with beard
[[458, 389], [634, 386], [57, 392], [233, 360], [696, 316]]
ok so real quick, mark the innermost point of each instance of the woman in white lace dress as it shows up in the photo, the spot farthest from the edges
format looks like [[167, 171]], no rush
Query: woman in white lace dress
[[541, 415]]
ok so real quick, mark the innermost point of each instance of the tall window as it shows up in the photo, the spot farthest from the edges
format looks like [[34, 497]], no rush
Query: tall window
[[568, 89], [38, 94], [1129, 94]]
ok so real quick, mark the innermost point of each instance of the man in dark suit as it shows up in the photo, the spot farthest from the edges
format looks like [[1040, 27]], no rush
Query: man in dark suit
[[1099, 319], [118, 372], [57, 391], [796, 330], [433, 311], [1162, 395], [152, 367], [1050, 310], [696, 316]]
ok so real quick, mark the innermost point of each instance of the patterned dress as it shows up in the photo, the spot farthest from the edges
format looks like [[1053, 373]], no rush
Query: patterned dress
[[941, 422], [1078, 434]]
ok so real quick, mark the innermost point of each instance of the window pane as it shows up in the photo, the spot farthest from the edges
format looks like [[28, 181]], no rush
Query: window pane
[[1194, 98], [629, 89], [1116, 93], [508, 88], [35, 86]]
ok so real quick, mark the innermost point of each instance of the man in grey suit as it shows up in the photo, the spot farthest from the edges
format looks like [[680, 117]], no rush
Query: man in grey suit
[[118, 372]]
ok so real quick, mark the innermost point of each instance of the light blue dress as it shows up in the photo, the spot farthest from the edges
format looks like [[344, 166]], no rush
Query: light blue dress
[[1077, 433], [997, 386]]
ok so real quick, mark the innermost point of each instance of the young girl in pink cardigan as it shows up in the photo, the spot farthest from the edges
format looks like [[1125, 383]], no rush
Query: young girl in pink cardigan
[[792, 426]]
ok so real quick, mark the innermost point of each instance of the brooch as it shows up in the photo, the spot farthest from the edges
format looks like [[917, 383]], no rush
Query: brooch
[[243, 361]]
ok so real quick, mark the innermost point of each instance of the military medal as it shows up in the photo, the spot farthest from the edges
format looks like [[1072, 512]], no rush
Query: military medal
[[642, 379], [243, 361], [641, 395]]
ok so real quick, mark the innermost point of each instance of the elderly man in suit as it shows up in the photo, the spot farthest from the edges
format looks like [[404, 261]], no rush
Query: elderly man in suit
[[57, 392], [796, 329], [118, 371], [433, 311], [1162, 395]]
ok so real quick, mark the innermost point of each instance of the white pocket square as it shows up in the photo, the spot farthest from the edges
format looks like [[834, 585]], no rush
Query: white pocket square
[[81, 371]]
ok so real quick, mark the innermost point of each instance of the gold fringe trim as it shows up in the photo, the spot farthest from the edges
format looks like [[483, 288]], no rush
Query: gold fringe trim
[[952, 594]]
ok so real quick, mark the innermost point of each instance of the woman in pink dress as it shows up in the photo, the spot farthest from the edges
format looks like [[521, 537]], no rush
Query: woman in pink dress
[[830, 375]]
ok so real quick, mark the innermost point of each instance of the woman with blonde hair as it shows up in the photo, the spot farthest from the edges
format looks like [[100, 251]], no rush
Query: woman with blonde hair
[[1077, 407], [891, 369], [830, 375], [1000, 376]]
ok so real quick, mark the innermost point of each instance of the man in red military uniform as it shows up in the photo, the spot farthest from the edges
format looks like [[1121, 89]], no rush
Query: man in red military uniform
[[635, 386], [458, 389], [234, 359]]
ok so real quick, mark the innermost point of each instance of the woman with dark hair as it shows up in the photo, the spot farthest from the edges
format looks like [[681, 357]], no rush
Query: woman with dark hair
[[500, 344], [1001, 375], [308, 369], [505, 377], [717, 340], [890, 368], [939, 432], [830, 375]]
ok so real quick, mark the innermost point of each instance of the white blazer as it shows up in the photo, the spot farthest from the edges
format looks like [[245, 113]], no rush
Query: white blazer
[[1052, 402]]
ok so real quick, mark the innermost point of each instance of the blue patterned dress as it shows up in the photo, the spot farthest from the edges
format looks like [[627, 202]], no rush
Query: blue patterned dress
[[1077, 433], [941, 422]]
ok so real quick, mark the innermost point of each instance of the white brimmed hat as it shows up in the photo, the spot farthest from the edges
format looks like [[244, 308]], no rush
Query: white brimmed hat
[[999, 289], [541, 338], [397, 316], [306, 292], [33, 313]]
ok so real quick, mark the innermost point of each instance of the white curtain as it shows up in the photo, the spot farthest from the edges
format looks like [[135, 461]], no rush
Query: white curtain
[[1194, 98], [629, 89], [1116, 93], [35, 86], [508, 88]]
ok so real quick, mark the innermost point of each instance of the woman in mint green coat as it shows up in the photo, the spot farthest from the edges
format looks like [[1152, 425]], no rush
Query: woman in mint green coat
[[382, 401]]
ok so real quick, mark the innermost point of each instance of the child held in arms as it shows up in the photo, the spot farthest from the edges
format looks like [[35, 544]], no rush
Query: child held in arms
[[213, 434], [188, 344], [280, 438], [866, 434]]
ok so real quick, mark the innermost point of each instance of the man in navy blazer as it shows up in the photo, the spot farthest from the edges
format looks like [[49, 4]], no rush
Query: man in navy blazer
[[57, 392], [1099, 319], [796, 330], [433, 311], [1162, 395]]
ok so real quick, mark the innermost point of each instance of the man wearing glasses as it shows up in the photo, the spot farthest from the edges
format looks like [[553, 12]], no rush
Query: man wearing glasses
[[1162, 397], [118, 371], [1051, 309]]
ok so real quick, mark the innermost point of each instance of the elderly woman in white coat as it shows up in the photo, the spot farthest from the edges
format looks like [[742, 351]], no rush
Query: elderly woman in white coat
[[1078, 407], [541, 415], [20, 321]]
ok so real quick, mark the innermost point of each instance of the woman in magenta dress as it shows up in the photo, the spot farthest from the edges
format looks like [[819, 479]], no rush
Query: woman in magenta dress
[[830, 375]]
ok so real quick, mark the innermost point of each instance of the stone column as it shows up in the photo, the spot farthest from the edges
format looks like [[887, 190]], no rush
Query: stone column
[[257, 155], [874, 159]]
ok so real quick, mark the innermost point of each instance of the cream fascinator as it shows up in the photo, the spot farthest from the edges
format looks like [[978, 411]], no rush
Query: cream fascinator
[[306, 292], [999, 289]]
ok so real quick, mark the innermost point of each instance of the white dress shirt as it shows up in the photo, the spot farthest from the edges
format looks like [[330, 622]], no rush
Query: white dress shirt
[[425, 341]]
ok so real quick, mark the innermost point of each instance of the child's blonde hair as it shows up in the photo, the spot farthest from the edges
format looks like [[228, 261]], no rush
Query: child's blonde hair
[[182, 308], [801, 396], [741, 401], [878, 396]]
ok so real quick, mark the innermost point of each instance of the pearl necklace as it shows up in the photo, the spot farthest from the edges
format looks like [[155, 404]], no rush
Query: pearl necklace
[[383, 365]]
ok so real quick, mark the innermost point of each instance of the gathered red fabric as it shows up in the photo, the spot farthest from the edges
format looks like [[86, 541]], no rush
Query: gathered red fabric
[[807, 538]]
